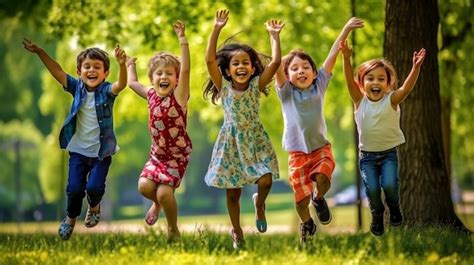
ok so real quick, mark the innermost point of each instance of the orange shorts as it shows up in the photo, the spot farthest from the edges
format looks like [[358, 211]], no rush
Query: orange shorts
[[302, 167]]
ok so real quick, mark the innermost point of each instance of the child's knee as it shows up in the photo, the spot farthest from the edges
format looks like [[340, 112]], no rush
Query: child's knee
[[146, 186], [265, 181], [165, 194], [322, 181]]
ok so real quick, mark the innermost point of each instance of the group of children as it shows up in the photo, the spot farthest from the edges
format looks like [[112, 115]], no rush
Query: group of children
[[243, 154]]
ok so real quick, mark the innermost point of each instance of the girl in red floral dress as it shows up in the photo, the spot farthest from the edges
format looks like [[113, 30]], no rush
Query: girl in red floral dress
[[170, 143]]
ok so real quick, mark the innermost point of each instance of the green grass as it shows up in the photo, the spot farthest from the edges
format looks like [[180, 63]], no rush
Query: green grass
[[401, 246], [208, 242]]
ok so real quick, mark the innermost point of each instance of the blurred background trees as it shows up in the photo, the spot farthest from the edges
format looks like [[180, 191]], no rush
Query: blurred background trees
[[33, 105]]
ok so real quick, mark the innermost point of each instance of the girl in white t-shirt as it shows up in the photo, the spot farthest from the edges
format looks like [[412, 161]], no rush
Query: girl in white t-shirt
[[377, 115]]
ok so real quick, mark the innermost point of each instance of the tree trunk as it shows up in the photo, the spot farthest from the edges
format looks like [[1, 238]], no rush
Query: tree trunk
[[424, 180]]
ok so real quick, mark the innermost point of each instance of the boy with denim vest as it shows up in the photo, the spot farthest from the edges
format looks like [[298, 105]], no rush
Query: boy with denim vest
[[87, 132]]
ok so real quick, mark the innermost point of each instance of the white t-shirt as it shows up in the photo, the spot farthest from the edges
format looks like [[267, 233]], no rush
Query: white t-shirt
[[85, 140], [378, 125]]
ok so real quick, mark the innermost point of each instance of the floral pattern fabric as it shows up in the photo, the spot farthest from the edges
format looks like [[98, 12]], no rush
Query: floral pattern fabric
[[170, 143], [243, 152]]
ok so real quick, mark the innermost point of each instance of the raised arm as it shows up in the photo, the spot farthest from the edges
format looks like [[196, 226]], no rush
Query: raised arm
[[133, 83], [53, 67], [121, 82], [280, 77], [354, 90], [330, 61], [182, 90], [400, 95], [273, 27], [221, 19]]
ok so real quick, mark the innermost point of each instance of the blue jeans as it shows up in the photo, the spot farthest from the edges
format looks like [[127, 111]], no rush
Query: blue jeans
[[379, 170], [86, 175]]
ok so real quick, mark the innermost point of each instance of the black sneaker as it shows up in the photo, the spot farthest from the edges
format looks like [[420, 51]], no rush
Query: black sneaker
[[308, 229], [396, 217], [322, 210], [376, 227]]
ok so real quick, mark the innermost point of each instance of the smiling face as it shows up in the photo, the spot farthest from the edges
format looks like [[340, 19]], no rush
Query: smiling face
[[92, 72], [240, 69], [301, 73], [164, 79], [375, 83]]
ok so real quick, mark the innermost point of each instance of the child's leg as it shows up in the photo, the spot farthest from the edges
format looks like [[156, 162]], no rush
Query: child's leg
[[95, 186], [322, 185], [302, 209], [165, 197], [370, 173], [78, 171], [264, 186], [233, 207], [390, 185], [147, 188]]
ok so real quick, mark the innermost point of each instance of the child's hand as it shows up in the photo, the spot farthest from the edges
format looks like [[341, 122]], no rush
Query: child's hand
[[345, 49], [179, 28], [131, 60], [120, 55], [221, 18], [354, 23], [274, 26], [30, 46], [419, 57]]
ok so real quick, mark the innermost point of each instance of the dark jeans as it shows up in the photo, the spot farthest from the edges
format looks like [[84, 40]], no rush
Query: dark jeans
[[86, 175], [379, 170]]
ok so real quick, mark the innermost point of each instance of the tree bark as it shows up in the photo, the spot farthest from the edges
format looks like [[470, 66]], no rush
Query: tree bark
[[424, 180]]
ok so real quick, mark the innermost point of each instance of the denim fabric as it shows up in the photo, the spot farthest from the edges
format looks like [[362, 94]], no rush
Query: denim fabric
[[104, 102], [379, 171], [86, 175]]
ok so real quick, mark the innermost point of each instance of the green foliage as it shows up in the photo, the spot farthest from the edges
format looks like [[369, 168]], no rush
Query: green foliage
[[19, 146], [204, 247], [456, 47], [64, 28]]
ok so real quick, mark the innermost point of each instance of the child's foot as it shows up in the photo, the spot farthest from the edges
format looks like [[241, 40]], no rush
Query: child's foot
[[66, 228], [396, 217], [376, 227], [92, 216], [237, 239], [322, 209], [308, 229], [152, 215], [260, 220], [173, 237]]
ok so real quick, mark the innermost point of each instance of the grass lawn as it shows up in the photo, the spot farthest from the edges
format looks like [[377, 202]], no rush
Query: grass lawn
[[205, 240]]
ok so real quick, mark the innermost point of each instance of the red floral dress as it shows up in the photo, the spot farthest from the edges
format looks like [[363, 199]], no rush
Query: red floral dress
[[170, 143]]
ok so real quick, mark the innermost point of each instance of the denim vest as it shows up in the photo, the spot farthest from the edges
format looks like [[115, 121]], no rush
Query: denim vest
[[104, 102]]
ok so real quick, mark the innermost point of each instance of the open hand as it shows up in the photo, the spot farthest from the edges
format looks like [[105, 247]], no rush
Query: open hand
[[274, 26], [354, 23], [419, 57], [221, 18]]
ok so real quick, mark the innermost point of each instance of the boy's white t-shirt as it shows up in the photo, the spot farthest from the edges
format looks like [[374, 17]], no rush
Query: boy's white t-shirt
[[378, 125], [85, 140]]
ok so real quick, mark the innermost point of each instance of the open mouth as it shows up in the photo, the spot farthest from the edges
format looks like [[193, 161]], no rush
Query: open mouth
[[241, 74], [92, 78], [301, 78], [375, 90], [164, 84]]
